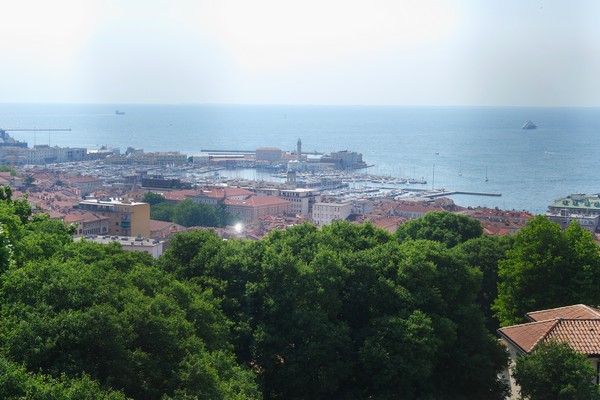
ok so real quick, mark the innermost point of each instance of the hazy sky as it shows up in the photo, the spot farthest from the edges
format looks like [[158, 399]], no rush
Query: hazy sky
[[401, 52]]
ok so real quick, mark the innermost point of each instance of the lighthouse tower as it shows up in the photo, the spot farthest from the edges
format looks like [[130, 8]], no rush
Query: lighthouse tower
[[299, 150]]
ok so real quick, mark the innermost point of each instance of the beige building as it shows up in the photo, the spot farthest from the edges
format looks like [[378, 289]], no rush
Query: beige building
[[326, 213], [127, 218], [88, 223], [85, 184], [271, 154]]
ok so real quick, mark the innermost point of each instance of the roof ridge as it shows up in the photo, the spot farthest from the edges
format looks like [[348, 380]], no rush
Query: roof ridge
[[554, 325], [530, 323], [562, 307]]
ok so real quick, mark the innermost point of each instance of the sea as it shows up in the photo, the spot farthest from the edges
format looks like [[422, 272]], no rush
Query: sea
[[476, 149]]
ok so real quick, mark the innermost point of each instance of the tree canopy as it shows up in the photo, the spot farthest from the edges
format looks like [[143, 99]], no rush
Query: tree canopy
[[547, 268], [348, 312], [188, 213], [342, 312], [556, 372], [441, 226], [82, 320]]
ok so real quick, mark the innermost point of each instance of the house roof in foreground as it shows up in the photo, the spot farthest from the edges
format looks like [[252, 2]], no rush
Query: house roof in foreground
[[582, 335], [576, 311], [577, 325]]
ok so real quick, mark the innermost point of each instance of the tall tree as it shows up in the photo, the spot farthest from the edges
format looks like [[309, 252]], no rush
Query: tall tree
[[153, 198], [485, 253], [547, 268], [129, 325], [555, 371], [441, 226]]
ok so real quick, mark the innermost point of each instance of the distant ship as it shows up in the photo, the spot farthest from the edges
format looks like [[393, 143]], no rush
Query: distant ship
[[117, 112], [529, 125]]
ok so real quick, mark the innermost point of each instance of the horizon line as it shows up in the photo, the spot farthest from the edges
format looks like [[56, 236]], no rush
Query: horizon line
[[298, 105]]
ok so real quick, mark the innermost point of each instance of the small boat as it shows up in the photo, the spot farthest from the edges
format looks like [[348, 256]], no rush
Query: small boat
[[529, 125], [117, 112]]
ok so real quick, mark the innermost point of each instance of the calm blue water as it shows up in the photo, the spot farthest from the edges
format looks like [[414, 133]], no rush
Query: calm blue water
[[530, 168]]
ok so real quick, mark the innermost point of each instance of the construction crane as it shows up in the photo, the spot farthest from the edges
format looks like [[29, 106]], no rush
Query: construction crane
[[8, 141]]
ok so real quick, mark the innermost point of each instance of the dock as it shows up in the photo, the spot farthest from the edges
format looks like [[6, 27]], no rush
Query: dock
[[451, 192], [441, 192]]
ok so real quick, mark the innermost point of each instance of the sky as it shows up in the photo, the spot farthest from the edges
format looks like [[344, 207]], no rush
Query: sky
[[371, 52]]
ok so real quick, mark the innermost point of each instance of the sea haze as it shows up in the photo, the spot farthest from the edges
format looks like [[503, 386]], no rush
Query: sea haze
[[531, 168]]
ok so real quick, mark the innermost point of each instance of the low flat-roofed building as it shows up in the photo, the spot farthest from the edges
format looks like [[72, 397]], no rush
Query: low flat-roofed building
[[271, 154], [154, 247]]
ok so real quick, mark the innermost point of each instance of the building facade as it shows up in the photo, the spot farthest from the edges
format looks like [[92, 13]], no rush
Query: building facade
[[127, 218], [255, 207], [326, 213], [585, 209], [301, 200]]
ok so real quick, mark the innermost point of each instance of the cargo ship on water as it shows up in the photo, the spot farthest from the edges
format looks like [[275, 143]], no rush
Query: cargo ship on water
[[8, 141]]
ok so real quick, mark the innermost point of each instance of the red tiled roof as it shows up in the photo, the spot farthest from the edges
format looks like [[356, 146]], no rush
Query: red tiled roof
[[577, 311], [582, 335], [82, 179], [179, 195], [156, 225], [577, 325], [526, 336], [257, 201], [83, 217]]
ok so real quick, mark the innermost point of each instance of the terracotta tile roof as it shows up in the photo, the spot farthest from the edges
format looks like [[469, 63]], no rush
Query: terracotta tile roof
[[156, 225], [526, 336], [582, 335], [225, 192], [578, 325], [577, 311], [83, 217], [83, 179], [180, 195], [257, 201]]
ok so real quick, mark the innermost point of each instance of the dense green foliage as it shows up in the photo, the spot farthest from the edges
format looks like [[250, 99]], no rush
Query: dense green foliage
[[547, 268], [348, 312], [153, 198], [16, 383], [556, 372], [443, 227], [485, 253], [7, 168], [188, 213], [343, 312], [81, 320]]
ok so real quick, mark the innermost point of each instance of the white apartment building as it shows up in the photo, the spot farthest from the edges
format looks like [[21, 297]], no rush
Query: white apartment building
[[326, 213]]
